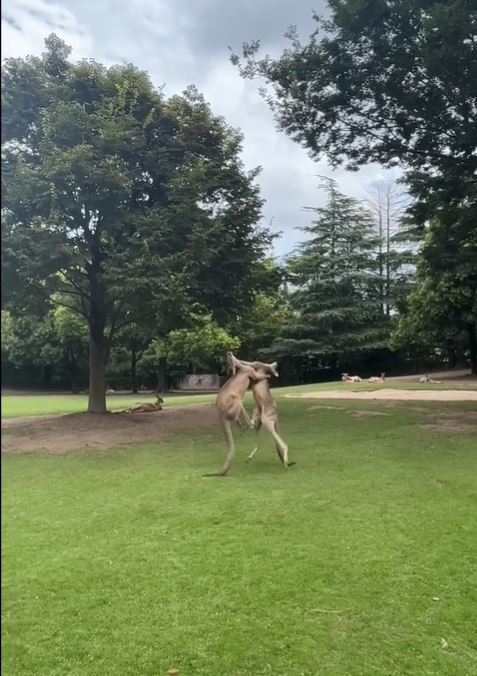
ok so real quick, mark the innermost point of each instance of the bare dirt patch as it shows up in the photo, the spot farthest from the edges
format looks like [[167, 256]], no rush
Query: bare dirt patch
[[394, 395], [61, 434], [458, 422]]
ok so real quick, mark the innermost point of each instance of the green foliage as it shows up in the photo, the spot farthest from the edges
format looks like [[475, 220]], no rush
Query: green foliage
[[381, 81], [262, 322], [8, 335], [336, 288], [395, 82], [56, 342], [32, 341], [70, 328], [200, 348], [441, 312], [129, 204]]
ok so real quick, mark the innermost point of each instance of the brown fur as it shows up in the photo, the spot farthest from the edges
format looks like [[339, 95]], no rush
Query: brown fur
[[230, 407], [266, 413], [147, 407]]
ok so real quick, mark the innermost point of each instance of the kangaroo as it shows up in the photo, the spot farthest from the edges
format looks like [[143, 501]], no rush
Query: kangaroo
[[428, 379], [265, 413], [374, 379], [147, 407], [350, 379], [230, 407]]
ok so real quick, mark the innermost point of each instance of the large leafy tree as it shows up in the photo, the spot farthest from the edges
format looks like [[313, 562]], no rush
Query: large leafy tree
[[336, 287], [443, 305], [125, 202], [198, 348], [55, 343], [394, 82], [439, 319], [70, 333], [396, 252], [389, 81], [132, 343]]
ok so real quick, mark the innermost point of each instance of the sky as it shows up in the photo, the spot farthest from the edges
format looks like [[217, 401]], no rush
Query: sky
[[183, 42]]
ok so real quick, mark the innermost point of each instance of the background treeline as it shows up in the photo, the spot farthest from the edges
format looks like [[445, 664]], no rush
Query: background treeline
[[132, 251]]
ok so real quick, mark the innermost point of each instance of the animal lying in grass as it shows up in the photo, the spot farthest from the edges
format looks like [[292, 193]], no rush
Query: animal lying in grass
[[147, 406], [350, 379], [374, 379], [428, 379]]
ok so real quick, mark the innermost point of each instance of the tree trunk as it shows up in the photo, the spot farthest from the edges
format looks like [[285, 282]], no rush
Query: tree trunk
[[97, 375], [99, 347], [380, 258], [473, 348], [74, 373], [451, 357], [134, 387], [388, 254], [161, 376]]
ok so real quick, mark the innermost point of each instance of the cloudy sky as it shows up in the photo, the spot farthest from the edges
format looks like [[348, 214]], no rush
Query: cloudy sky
[[182, 42]]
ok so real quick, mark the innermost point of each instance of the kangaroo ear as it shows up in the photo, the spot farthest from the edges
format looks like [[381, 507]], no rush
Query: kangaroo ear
[[274, 368]]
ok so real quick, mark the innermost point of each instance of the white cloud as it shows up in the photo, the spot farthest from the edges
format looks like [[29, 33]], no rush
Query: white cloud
[[26, 23]]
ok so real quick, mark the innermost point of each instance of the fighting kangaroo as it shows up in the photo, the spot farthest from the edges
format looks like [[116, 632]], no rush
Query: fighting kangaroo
[[265, 413], [230, 407]]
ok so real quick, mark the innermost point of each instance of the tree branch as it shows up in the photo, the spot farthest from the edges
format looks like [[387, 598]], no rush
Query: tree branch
[[70, 307]]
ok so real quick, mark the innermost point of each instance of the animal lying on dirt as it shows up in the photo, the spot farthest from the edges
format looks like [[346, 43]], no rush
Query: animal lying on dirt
[[147, 407], [374, 379], [428, 379], [350, 379]]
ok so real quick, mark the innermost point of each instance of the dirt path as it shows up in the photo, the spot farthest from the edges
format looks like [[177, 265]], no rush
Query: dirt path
[[61, 434], [390, 394]]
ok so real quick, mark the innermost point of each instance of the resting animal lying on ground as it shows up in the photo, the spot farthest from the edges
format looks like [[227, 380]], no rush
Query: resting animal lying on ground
[[147, 407], [350, 379], [427, 379], [374, 379]]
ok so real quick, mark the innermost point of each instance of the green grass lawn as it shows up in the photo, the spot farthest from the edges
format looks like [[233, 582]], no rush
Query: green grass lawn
[[358, 561], [51, 404]]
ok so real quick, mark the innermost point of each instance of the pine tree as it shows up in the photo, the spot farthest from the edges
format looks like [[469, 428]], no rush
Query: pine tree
[[336, 285]]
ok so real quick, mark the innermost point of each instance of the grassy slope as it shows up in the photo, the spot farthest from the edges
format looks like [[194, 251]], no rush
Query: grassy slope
[[130, 563], [25, 405]]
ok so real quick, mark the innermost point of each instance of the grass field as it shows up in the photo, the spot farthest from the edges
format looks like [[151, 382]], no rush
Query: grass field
[[29, 405], [358, 561]]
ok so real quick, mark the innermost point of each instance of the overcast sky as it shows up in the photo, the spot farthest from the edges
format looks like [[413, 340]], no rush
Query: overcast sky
[[182, 42]]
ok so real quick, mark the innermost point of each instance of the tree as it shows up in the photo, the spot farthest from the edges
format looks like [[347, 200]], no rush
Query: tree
[[56, 342], [132, 344], [394, 82], [259, 323], [439, 319], [336, 289], [30, 343], [444, 303], [124, 202], [396, 256], [8, 336], [383, 81], [71, 334], [201, 347], [262, 323]]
